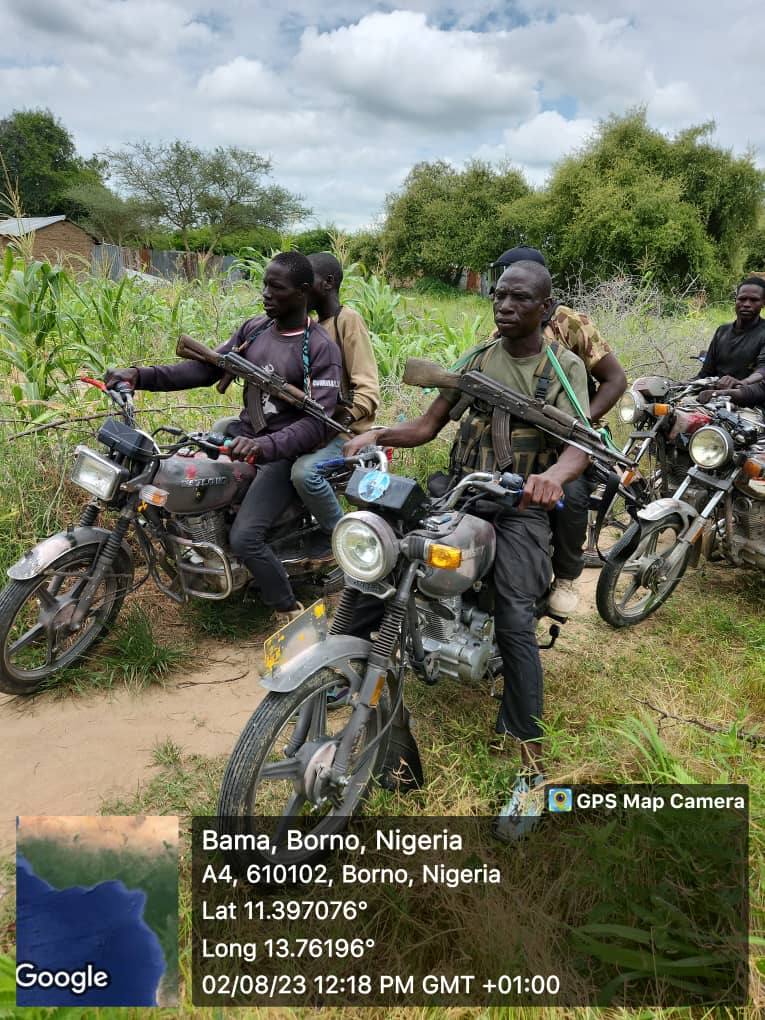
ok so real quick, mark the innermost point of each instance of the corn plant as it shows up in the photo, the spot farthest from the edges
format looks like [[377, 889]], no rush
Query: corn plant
[[33, 349]]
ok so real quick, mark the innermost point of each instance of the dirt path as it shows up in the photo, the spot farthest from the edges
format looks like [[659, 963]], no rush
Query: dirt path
[[64, 757]]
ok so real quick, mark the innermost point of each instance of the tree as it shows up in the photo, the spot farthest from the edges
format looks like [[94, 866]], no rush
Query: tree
[[42, 162], [443, 219], [635, 200], [110, 217], [188, 188]]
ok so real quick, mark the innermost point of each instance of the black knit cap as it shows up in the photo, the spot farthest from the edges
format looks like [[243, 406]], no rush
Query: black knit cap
[[521, 253]]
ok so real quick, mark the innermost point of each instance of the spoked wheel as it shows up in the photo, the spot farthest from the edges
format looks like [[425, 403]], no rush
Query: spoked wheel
[[278, 775], [637, 579], [37, 635]]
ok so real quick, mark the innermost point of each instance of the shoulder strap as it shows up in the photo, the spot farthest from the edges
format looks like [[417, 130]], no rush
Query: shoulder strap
[[543, 382], [474, 353], [254, 335]]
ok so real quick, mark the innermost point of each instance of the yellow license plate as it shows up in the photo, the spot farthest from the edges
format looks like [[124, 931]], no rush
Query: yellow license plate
[[296, 636]]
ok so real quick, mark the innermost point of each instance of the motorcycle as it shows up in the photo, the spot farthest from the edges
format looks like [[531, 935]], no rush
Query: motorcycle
[[717, 511], [664, 416], [177, 502], [303, 759]]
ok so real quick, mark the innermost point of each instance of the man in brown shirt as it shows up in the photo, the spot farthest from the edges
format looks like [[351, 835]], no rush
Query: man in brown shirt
[[359, 395]]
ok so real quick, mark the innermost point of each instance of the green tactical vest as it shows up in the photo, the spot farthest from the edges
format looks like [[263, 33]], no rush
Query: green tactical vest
[[490, 440]]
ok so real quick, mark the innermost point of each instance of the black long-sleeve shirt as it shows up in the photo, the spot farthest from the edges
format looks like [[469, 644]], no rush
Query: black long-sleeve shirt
[[736, 352], [289, 432], [751, 395]]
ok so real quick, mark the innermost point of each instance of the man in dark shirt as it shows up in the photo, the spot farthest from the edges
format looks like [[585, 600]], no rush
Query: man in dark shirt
[[271, 432], [737, 350]]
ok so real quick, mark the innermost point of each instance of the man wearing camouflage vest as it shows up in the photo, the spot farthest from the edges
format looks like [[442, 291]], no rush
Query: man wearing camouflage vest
[[606, 383], [522, 566]]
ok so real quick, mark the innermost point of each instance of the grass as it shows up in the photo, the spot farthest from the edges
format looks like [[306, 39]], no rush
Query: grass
[[132, 656], [701, 657]]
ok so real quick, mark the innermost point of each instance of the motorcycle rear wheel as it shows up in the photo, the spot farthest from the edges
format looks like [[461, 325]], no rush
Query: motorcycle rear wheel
[[265, 788], [34, 645], [633, 584]]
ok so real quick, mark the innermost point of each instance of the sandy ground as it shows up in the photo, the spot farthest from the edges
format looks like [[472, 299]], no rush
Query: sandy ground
[[64, 757]]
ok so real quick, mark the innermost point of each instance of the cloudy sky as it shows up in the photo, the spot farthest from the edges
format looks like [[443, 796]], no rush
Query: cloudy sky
[[346, 97]]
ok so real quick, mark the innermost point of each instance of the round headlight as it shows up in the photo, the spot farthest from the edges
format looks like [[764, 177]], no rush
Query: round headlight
[[710, 447], [630, 406], [365, 546]]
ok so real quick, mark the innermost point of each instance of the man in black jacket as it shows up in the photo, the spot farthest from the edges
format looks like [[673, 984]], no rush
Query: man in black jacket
[[271, 432], [737, 350]]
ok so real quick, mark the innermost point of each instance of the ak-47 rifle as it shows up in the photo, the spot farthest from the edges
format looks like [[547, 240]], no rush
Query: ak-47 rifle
[[508, 404], [269, 382]]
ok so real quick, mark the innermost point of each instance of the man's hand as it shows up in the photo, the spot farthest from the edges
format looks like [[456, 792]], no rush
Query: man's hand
[[353, 446], [541, 490], [121, 375], [243, 448], [728, 382]]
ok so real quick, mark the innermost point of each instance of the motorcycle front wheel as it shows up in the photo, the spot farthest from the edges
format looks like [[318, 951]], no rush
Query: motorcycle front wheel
[[635, 579], [36, 639], [273, 779]]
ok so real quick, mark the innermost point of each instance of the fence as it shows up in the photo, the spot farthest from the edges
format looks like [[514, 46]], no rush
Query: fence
[[167, 265]]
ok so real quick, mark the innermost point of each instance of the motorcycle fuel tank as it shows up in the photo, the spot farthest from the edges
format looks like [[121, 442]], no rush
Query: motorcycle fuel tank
[[475, 537], [199, 483]]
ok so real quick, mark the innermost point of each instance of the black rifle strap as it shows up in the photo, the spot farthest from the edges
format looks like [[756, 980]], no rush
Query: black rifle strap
[[610, 488], [543, 383]]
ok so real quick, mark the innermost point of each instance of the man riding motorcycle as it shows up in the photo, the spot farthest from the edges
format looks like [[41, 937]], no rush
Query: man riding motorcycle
[[522, 565], [271, 433]]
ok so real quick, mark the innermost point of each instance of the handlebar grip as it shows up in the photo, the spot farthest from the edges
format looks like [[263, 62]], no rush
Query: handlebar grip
[[333, 463], [224, 449]]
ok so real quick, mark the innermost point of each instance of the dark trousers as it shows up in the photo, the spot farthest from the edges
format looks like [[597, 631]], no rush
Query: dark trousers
[[522, 574], [267, 498], [569, 526]]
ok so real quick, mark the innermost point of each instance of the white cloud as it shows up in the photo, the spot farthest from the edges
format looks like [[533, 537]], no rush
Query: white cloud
[[346, 98], [243, 82], [396, 65], [546, 138]]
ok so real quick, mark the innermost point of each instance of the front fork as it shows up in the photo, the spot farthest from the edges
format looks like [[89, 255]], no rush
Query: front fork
[[378, 666], [104, 560], [694, 530]]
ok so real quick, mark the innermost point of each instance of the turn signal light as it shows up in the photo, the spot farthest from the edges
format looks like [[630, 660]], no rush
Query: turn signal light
[[151, 494], [660, 409], [628, 475], [752, 469], [444, 556]]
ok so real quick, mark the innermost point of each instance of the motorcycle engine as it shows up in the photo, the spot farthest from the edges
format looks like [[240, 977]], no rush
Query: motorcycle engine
[[203, 527], [205, 566], [460, 636]]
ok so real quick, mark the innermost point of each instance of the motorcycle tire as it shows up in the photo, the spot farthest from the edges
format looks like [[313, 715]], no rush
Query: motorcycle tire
[[263, 784], [21, 671], [639, 555]]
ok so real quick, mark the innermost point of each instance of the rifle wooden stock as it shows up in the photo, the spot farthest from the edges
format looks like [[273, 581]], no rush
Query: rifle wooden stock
[[424, 372], [188, 347], [235, 365], [474, 386]]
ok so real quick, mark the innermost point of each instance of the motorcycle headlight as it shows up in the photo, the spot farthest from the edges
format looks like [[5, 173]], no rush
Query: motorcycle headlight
[[710, 447], [630, 406], [95, 473], [365, 546]]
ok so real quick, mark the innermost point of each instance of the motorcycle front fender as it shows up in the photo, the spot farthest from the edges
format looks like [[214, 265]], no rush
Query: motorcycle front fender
[[661, 508], [40, 557], [280, 680]]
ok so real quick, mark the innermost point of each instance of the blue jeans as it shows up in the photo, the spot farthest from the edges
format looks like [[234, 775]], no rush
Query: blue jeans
[[314, 489]]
